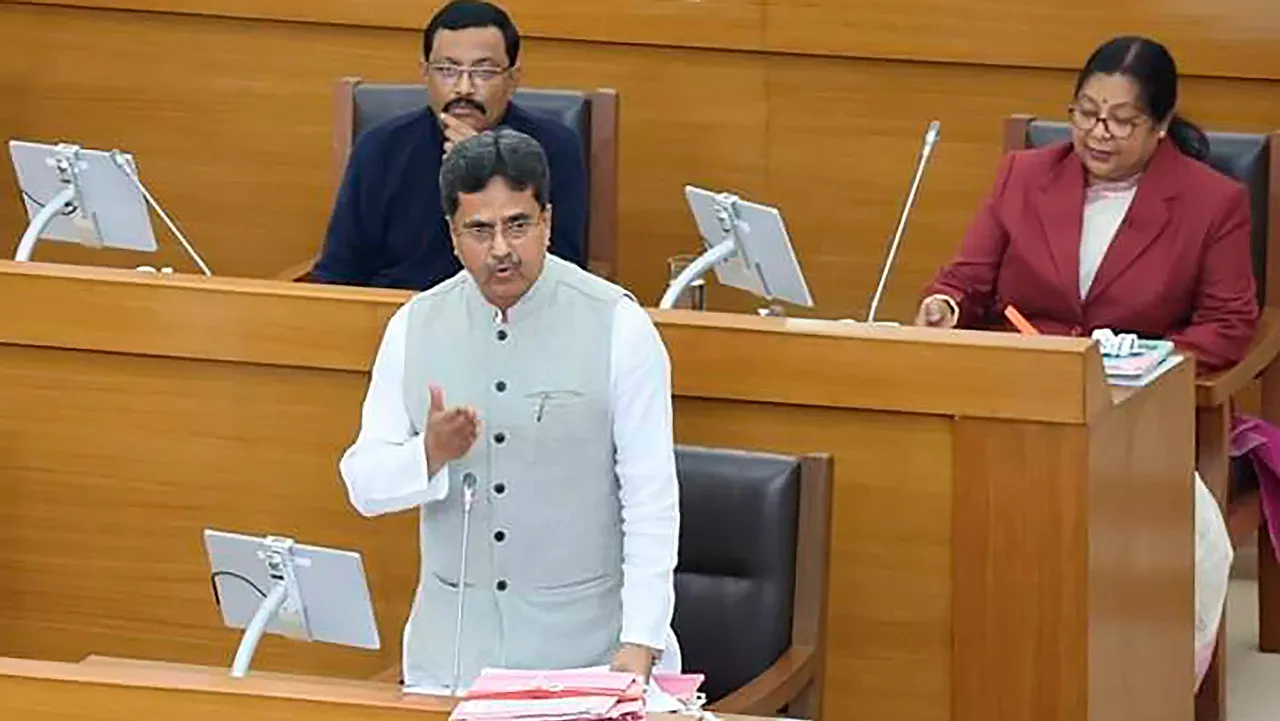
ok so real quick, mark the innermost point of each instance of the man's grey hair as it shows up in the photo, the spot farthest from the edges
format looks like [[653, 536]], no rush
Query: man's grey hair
[[498, 153]]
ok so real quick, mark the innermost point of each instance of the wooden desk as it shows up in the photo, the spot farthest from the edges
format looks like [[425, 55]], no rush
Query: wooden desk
[[111, 689], [1012, 541]]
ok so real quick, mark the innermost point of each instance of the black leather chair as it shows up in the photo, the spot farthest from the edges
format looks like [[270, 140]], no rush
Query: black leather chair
[[1252, 160], [592, 115], [751, 579]]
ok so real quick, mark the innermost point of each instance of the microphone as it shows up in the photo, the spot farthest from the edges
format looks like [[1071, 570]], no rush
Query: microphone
[[930, 139], [468, 498]]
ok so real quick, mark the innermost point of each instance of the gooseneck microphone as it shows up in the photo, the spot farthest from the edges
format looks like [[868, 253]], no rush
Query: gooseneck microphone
[[468, 499], [930, 139]]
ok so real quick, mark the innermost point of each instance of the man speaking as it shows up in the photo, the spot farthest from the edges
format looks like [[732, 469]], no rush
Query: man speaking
[[535, 399]]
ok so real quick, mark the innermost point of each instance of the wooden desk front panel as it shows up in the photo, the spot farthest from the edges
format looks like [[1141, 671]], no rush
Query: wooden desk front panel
[[231, 121], [58, 700], [111, 465], [111, 689]]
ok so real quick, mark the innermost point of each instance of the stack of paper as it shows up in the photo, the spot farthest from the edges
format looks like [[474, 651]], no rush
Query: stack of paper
[[573, 695], [1131, 361]]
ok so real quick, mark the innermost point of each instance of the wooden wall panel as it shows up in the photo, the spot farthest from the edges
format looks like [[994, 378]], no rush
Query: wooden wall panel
[[125, 475], [1229, 38], [231, 119], [737, 24]]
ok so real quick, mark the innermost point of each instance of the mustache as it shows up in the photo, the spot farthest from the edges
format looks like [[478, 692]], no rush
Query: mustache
[[458, 103], [512, 261]]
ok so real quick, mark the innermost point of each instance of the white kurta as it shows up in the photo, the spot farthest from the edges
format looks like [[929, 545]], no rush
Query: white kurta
[[385, 470]]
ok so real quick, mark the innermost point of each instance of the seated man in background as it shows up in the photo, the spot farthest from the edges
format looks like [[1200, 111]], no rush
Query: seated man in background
[[387, 228], [1124, 227], [557, 444]]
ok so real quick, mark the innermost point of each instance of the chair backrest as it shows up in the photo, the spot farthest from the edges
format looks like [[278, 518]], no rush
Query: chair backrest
[[751, 579], [593, 116], [1249, 158]]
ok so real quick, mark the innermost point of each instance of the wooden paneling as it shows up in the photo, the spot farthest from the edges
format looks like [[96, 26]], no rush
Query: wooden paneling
[[1021, 570], [1231, 38], [121, 440], [115, 689], [202, 320], [336, 328], [139, 463], [1141, 546], [230, 120], [1070, 586], [726, 24]]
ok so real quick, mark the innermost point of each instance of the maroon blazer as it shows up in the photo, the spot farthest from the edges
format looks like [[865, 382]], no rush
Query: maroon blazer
[[1179, 266]]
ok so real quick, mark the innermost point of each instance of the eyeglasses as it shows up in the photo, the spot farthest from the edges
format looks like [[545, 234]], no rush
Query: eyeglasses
[[514, 231], [1086, 119], [449, 73]]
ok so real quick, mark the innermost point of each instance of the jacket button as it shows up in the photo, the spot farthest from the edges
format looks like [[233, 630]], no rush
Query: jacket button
[[501, 585], [499, 488], [502, 335], [499, 437], [499, 536]]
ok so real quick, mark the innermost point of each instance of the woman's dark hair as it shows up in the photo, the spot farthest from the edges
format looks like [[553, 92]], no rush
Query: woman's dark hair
[[1149, 64]]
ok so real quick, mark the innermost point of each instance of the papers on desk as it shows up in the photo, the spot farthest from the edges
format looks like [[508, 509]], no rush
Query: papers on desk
[[1144, 379], [1130, 361], [573, 695]]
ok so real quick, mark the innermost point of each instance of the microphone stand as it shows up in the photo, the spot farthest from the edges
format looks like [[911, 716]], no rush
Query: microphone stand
[[930, 138], [122, 162], [468, 498]]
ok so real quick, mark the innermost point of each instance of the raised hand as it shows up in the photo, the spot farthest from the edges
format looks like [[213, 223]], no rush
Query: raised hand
[[450, 431]]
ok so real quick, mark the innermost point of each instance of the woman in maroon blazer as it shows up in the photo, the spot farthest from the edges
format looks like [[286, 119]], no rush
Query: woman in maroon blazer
[[1124, 227]]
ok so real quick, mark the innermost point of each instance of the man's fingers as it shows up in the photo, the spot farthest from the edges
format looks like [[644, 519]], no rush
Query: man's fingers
[[437, 398], [455, 129]]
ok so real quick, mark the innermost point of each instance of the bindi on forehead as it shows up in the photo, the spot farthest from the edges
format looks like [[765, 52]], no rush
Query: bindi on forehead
[[1110, 91]]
